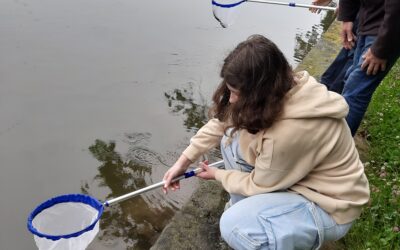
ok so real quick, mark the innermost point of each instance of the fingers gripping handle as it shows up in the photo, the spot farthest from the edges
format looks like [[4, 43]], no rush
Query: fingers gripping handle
[[189, 174], [159, 184]]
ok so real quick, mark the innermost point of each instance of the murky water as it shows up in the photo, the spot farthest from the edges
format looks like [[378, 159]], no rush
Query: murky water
[[101, 96]]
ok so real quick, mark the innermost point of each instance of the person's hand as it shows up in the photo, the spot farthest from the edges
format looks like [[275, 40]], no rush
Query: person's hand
[[208, 172], [319, 3], [372, 64], [348, 37], [177, 169]]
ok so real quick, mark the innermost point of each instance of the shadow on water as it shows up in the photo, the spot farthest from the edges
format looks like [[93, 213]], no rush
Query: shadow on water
[[306, 41]]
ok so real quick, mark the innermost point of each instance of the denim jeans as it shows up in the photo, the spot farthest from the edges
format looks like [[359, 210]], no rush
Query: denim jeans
[[279, 220], [233, 159], [334, 75], [359, 87]]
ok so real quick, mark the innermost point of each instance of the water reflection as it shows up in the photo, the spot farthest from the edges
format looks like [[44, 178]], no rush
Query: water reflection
[[306, 41], [181, 102], [327, 20], [136, 221]]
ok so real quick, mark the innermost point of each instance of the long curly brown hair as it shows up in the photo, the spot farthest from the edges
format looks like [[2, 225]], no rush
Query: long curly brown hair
[[263, 76]]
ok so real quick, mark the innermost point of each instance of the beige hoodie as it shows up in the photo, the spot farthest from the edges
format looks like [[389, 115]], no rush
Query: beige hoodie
[[309, 151]]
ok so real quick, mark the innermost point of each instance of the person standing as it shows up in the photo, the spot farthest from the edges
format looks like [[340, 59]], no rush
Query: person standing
[[377, 47]]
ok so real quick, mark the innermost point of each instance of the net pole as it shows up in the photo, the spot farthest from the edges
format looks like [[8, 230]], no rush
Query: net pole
[[159, 184], [293, 4]]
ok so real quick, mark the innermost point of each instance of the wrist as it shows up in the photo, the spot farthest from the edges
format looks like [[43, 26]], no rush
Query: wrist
[[218, 174], [183, 162]]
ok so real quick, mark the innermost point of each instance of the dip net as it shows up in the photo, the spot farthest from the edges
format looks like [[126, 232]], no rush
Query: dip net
[[225, 12], [65, 222]]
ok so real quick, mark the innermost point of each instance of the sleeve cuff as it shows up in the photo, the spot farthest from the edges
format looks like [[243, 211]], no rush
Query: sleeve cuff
[[219, 173], [345, 18], [378, 51]]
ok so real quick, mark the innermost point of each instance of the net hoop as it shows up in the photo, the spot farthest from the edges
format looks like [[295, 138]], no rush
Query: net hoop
[[227, 5], [79, 198]]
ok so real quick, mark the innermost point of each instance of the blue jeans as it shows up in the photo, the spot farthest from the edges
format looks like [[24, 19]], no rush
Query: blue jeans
[[233, 159], [333, 77], [279, 220], [359, 87]]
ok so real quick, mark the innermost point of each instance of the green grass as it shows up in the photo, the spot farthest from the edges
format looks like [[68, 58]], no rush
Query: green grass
[[378, 227]]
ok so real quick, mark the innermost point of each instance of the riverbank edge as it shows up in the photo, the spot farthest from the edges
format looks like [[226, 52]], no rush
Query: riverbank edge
[[196, 225]]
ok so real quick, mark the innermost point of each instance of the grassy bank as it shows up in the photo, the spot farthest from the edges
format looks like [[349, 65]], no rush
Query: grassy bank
[[378, 227]]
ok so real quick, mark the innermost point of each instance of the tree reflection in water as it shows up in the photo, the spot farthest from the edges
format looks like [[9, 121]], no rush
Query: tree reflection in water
[[138, 221], [182, 101], [135, 221], [305, 42]]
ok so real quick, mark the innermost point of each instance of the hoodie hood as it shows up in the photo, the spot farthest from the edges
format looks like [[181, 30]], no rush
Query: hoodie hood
[[311, 99]]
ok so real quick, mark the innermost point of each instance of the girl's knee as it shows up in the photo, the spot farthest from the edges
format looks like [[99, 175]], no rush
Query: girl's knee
[[240, 231], [283, 226], [226, 225]]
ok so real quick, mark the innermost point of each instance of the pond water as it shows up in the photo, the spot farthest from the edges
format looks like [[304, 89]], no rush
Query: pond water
[[101, 96]]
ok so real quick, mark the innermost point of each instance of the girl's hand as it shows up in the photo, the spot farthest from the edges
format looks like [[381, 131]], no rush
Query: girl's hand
[[177, 169], [208, 172]]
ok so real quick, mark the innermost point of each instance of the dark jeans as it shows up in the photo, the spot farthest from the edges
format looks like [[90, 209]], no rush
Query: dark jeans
[[333, 77], [359, 87]]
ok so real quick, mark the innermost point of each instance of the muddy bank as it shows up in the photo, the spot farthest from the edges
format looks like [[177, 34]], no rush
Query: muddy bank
[[196, 225]]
